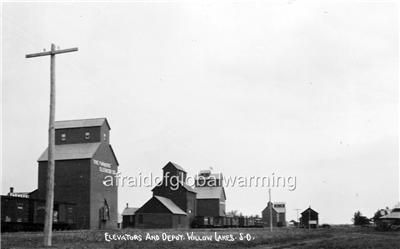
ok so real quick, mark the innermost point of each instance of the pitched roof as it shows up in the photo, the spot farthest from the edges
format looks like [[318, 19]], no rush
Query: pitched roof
[[81, 123], [312, 210], [34, 191], [72, 151], [175, 165], [115, 157], [172, 207], [209, 192], [129, 211]]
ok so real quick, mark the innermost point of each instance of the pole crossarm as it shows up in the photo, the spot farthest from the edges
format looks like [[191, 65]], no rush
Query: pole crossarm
[[61, 51]]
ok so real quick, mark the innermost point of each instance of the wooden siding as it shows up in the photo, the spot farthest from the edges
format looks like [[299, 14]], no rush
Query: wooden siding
[[307, 215], [160, 220], [99, 192], [31, 211], [178, 196], [266, 217], [173, 171], [72, 184], [128, 221], [208, 207]]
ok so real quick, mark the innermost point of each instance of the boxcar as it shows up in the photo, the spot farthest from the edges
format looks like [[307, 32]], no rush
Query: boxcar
[[27, 214]]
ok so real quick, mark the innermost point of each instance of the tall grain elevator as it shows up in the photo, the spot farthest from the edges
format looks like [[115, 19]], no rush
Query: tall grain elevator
[[83, 158]]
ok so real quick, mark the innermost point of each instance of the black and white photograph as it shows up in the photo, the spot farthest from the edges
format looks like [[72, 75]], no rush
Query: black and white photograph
[[207, 124]]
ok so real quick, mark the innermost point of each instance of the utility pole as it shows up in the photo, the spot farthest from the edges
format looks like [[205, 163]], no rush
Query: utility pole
[[48, 220], [297, 212], [270, 211]]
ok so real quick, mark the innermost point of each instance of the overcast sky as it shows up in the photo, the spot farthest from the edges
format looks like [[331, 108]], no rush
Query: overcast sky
[[294, 88]]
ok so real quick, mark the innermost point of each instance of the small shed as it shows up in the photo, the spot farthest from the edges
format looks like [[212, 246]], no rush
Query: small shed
[[128, 216], [309, 218]]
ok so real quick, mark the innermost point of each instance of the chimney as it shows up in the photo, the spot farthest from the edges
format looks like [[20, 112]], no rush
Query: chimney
[[11, 190], [127, 204]]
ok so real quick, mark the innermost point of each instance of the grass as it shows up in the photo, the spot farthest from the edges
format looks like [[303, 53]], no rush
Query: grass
[[335, 237]]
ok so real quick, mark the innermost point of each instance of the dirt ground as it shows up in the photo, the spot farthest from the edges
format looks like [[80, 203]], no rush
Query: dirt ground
[[257, 238]]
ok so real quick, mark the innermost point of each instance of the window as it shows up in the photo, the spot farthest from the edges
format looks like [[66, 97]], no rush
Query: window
[[63, 137], [140, 219], [20, 206], [105, 136], [55, 216], [87, 135]]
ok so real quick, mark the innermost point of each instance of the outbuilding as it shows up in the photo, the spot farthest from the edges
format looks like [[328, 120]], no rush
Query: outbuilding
[[309, 218], [128, 216]]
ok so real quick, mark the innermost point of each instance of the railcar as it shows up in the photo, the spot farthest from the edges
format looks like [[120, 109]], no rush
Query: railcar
[[226, 222], [27, 214]]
